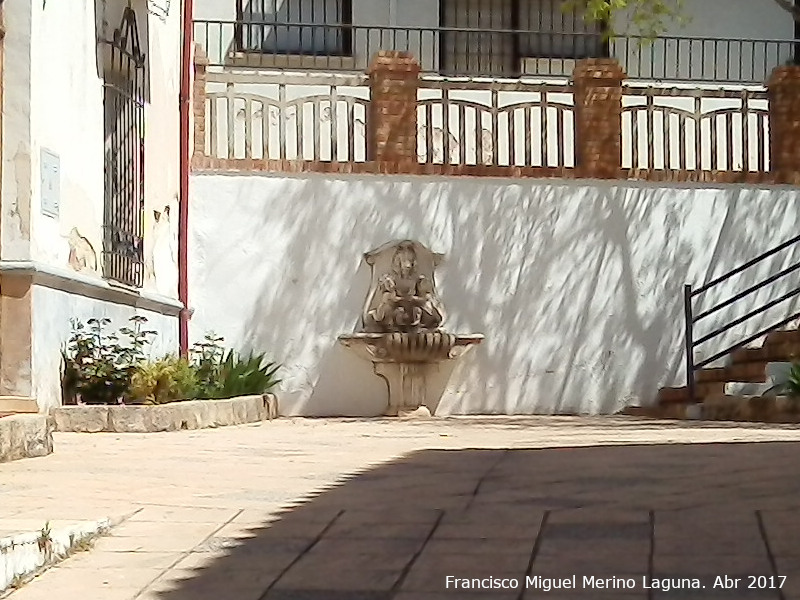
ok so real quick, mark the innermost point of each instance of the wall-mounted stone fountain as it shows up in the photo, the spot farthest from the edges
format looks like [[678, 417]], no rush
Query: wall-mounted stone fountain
[[401, 325]]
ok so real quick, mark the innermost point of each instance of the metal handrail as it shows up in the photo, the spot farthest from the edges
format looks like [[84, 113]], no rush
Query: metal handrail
[[478, 51], [691, 319]]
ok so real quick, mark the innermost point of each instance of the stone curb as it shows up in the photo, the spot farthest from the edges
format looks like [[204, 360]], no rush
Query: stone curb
[[25, 436], [175, 416], [27, 555]]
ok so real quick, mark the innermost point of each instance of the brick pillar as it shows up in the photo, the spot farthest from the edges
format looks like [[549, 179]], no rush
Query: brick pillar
[[598, 117], [784, 123], [199, 100], [392, 123]]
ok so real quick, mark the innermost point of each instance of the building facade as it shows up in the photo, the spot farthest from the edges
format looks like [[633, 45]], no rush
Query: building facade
[[90, 179]]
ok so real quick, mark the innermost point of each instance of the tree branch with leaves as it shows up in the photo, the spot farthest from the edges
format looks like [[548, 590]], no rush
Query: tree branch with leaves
[[649, 17]]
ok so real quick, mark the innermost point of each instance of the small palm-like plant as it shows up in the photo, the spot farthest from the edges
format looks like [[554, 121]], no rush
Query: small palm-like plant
[[243, 376], [790, 387]]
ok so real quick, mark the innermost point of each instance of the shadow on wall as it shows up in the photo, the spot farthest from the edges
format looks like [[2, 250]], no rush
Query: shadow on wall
[[577, 287], [398, 530]]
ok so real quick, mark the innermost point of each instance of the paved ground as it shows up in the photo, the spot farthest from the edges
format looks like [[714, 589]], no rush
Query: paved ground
[[381, 510]]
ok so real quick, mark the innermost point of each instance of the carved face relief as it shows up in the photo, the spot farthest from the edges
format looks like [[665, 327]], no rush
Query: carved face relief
[[404, 262]]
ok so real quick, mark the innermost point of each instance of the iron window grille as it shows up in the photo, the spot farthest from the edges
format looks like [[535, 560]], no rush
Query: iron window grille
[[294, 27], [123, 102], [494, 36]]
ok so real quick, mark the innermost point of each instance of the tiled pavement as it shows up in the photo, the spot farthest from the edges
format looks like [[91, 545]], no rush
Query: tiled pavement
[[389, 510]]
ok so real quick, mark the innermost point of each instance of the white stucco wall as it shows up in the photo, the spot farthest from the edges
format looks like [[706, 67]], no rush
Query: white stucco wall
[[16, 133], [53, 102], [576, 285], [66, 105], [52, 311]]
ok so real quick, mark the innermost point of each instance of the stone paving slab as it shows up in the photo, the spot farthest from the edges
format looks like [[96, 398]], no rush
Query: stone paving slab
[[387, 510]]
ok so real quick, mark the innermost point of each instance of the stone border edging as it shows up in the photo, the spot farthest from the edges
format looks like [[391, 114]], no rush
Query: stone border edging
[[25, 436], [175, 416]]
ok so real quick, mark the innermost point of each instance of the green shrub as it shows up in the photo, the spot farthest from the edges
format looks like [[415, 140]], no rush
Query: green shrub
[[221, 375], [240, 376], [103, 368], [166, 380], [97, 367]]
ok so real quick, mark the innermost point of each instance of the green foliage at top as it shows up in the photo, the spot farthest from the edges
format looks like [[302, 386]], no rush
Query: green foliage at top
[[647, 18], [651, 18]]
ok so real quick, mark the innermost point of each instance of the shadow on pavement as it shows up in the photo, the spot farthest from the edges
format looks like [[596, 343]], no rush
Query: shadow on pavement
[[636, 513]]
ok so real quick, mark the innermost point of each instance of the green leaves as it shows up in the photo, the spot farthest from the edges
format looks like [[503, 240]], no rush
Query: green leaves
[[222, 375], [166, 380], [97, 367], [647, 18], [791, 387], [110, 368]]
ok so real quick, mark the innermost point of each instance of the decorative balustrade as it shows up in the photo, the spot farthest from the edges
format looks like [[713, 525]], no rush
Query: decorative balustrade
[[277, 121], [314, 118], [695, 129], [498, 124]]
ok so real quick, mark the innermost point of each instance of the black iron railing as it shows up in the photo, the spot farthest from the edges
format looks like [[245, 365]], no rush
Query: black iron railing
[[491, 52], [692, 318]]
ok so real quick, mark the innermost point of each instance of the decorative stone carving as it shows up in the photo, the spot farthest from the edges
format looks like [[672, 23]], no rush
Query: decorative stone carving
[[401, 325], [403, 298]]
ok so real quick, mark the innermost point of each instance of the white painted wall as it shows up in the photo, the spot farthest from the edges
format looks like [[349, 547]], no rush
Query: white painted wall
[[16, 133], [66, 105], [576, 285], [53, 83], [52, 312]]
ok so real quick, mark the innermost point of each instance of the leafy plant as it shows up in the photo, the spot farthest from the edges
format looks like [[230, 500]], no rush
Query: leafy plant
[[166, 380], [207, 360], [790, 387], [242, 376], [227, 375], [97, 366]]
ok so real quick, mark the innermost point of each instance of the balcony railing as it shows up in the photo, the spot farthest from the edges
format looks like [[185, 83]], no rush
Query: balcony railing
[[507, 53]]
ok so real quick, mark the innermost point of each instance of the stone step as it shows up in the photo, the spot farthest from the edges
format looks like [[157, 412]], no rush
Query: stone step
[[772, 353], [754, 371], [739, 408], [777, 338], [758, 409], [10, 405]]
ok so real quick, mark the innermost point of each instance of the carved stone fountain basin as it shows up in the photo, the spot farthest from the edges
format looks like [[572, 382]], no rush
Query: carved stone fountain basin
[[420, 347], [401, 322]]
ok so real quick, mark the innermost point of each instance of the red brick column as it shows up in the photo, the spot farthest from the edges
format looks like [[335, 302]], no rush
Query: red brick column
[[199, 100], [392, 123], [784, 123], [598, 117]]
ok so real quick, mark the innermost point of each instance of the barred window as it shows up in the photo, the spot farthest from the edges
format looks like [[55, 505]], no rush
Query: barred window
[[302, 27], [123, 102], [547, 31]]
